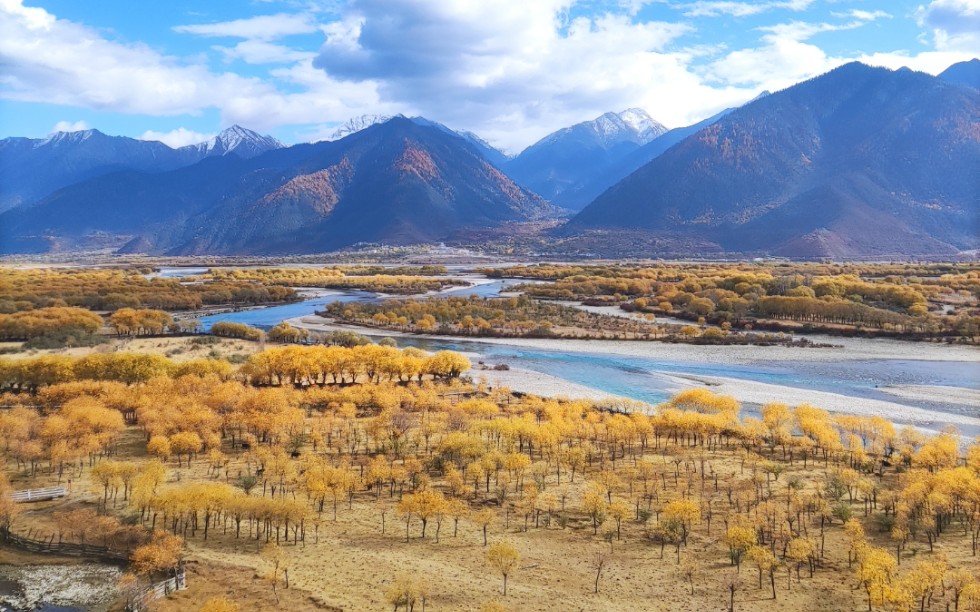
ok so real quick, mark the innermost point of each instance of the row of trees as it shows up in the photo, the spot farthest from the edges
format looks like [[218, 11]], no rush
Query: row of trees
[[296, 365], [359, 279], [54, 321], [130, 321], [516, 316], [111, 289], [320, 365]]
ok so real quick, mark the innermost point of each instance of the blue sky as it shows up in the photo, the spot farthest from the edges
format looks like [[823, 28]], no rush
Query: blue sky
[[509, 70]]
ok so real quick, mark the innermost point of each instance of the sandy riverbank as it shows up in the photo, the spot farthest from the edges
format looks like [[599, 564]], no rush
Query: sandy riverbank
[[536, 383], [754, 393], [749, 392], [954, 395]]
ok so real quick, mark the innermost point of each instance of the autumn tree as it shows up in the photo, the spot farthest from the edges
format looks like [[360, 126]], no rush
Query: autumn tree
[[503, 558], [161, 554]]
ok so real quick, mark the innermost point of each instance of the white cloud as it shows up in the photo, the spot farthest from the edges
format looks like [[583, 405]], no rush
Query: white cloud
[[863, 15], [176, 138], [513, 72], [262, 27], [715, 8], [55, 61], [932, 62], [783, 58], [800, 30], [263, 52], [955, 24], [507, 70], [774, 66], [60, 62], [69, 126]]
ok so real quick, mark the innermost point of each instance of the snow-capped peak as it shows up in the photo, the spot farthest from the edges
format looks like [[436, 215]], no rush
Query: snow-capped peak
[[66, 137], [356, 124], [236, 139], [642, 123]]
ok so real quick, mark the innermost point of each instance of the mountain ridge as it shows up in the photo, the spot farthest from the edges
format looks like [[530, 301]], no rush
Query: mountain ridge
[[397, 182], [579, 153], [33, 168], [824, 164]]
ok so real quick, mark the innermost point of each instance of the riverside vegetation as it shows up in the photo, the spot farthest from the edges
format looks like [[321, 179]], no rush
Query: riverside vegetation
[[259, 468], [909, 300], [413, 488]]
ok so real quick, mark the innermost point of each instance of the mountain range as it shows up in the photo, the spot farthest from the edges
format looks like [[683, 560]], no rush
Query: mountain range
[[567, 159], [963, 73], [35, 167], [858, 162], [397, 182]]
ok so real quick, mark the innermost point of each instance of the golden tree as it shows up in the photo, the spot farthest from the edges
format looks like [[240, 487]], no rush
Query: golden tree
[[503, 558], [161, 554]]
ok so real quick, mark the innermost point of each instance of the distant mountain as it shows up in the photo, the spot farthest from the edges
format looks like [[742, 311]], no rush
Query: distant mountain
[[31, 169], [963, 73], [356, 124], [858, 162], [397, 182], [236, 139], [580, 195], [564, 161], [492, 154]]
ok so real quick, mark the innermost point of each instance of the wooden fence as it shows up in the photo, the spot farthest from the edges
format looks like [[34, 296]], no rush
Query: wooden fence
[[53, 547], [32, 495], [139, 602], [158, 591]]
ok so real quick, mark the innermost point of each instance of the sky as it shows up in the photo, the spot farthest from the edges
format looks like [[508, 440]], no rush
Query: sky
[[511, 71]]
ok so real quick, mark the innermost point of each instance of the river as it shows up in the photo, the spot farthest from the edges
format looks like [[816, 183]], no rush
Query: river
[[857, 381]]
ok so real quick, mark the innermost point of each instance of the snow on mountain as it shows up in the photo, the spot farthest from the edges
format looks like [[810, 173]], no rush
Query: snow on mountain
[[643, 124], [238, 140], [57, 138], [356, 124]]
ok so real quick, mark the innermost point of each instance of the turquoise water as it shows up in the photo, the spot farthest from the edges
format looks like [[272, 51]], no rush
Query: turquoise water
[[267, 317], [645, 378]]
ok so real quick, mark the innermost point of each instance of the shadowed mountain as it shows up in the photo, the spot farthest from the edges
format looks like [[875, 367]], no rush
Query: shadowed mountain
[[579, 196], [858, 162], [565, 160], [32, 168], [963, 73], [356, 124], [397, 182]]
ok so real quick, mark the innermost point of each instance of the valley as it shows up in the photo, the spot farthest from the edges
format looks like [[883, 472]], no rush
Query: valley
[[390, 363]]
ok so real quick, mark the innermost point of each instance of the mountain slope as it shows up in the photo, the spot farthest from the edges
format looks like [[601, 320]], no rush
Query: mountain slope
[[492, 154], [573, 156], [963, 73], [33, 168], [237, 140], [580, 195], [858, 162], [397, 182], [356, 124]]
